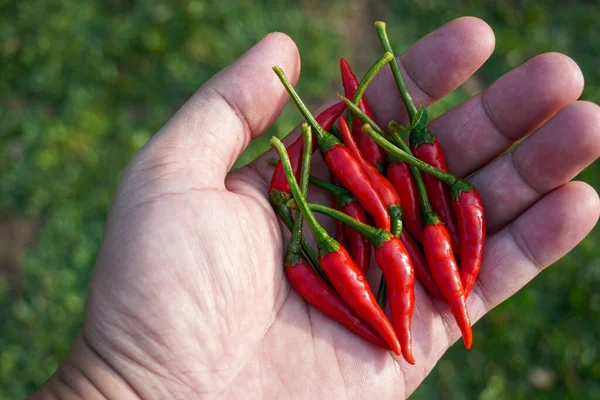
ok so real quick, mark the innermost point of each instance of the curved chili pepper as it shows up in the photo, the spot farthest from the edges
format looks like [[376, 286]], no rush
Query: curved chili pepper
[[344, 274], [471, 228], [398, 173], [427, 149], [326, 119], [444, 269], [279, 189], [395, 263], [312, 288], [308, 284], [386, 190], [342, 162], [422, 272], [373, 153], [360, 248]]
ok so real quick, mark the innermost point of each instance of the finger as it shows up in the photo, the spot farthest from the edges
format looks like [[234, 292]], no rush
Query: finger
[[433, 67], [551, 156], [513, 257], [236, 105], [481, 128], [535, 240]]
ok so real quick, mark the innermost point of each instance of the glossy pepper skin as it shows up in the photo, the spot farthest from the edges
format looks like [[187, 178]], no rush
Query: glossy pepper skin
[[372, 152], [344, 165], [326, 119], [426, 148], [353, 287], [422, 272], [312, 288], [397, 268], [471, 228], [398, 173], [438, 250], [386, 190], [395, 263]]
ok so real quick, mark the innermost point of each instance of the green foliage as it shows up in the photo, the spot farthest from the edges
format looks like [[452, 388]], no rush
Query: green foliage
[[86, 83]]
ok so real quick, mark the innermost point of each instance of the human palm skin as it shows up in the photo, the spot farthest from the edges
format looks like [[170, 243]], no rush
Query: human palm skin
[[189, 297]]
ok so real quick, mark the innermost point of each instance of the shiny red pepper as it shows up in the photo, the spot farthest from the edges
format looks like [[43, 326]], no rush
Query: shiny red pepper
[[373, 153], [471, 229], [344, 165], [422, 272], [380, 183], [312, 288], [395, 263], [343, 273], [397, 268], [326, 119], [398, 173], [444, 269]]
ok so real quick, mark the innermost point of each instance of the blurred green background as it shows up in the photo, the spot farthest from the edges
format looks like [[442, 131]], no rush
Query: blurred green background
[[84, 84]]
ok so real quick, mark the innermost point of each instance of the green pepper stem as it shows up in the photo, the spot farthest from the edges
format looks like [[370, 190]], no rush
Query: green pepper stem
[[366, 80], [374, 235], [325, 139], [318, 231], [294, 249], [385, 42], [342, 195]]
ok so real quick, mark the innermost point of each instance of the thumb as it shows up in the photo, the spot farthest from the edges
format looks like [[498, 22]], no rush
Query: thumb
[[220, 120]]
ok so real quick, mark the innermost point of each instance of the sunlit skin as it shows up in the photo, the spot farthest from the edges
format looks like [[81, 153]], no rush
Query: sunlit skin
[[189, 297]]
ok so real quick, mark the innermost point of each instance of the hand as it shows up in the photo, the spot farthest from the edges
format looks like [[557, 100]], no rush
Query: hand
[[189, 298]]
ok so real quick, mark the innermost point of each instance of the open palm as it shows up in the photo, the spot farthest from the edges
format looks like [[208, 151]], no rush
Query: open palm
[[189, 298]]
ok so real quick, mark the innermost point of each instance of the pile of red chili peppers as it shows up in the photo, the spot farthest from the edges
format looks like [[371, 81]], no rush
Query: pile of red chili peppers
[[428, 223]]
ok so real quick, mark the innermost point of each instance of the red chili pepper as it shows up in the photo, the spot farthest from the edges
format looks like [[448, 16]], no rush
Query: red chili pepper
[[426, 148], [397, 268], [398, 173], [373, 153], [307, 283], [279, 190], [395, 263], [471, 228], [344, 165], [312, 288], [343, 273], [444, 269], [422, 272], [359, 247], [386, 190], [326, 119]]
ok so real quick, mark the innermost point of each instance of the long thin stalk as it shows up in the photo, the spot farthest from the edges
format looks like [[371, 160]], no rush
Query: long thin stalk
[[366, 80], [385, 42]]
